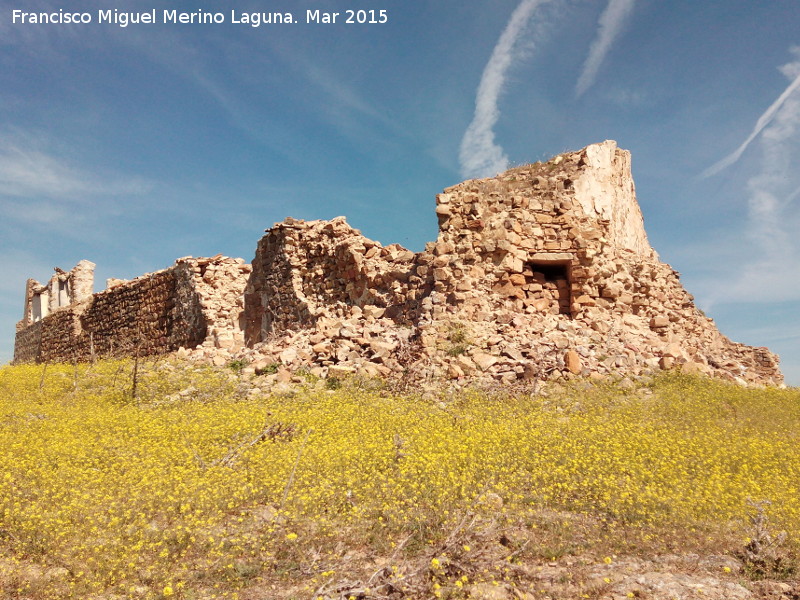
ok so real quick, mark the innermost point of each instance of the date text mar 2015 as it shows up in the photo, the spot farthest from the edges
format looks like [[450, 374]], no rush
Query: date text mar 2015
[[350, 16]]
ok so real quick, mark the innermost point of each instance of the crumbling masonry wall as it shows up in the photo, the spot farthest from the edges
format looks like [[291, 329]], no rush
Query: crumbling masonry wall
[[543, 272], [304, 271], [62, 289], [628, 312], [194, 302]]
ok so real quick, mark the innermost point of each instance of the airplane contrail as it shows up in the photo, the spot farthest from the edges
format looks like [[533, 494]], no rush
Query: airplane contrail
[[611, 23], [480, 155], [764, 120], [772, 270]]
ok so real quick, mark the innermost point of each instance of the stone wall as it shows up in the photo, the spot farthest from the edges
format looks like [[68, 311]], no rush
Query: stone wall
[[575, 216], [543, 272], [182, 306], [28, 342], [219, 284], [62, 289], [303, 271]]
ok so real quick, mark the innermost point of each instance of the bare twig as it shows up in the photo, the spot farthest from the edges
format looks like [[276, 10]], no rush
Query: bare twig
[[272, 432], [294, 469], [41, 379], [135, 382]]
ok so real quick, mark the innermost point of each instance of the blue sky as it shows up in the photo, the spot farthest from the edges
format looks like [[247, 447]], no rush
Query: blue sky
[[134, 146]]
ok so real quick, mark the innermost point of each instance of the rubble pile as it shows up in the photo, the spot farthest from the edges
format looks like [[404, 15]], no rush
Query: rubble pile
[[543, 272]]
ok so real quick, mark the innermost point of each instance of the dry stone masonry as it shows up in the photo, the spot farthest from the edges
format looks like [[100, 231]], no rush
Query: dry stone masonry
[[196, 302], [543, 272]]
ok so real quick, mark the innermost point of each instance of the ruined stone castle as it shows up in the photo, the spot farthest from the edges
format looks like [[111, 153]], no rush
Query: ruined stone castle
[[543, 272]]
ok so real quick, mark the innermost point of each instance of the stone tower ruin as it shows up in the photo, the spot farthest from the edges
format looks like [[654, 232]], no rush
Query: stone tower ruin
[[542, 272]]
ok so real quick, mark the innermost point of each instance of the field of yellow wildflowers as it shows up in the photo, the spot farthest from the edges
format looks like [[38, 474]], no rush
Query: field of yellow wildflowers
[[198, 487]]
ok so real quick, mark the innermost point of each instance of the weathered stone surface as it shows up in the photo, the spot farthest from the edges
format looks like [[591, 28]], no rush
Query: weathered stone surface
[[659, 321], [572, 361], [542, 272], [194, 303], [484, 361], [674, 350]]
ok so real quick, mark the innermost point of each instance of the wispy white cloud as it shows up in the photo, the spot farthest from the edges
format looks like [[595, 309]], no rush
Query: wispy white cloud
[[42, 212], [480, 155], [343, 96], [18, 266], [627, 98], [610, 25], [244, 92], [764, 120], [772, 272], [40, 190], [41, 43], [792, 197], [28, 172]]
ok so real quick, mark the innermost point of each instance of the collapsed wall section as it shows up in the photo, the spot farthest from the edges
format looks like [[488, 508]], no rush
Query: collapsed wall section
[[304, 271], [152, 314], [515, 250], [62, 289], [542, 272], [218, 284]]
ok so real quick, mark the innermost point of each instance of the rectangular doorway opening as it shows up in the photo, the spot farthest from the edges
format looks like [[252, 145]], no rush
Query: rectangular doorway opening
[[550, 281]]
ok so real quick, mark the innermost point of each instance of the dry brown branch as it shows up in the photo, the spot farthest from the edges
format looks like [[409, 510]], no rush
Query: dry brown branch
[[273, 433], [294, 469]]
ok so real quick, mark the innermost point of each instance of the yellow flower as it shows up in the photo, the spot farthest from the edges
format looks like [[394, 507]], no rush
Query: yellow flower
[[146, 479], [167, 591]]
